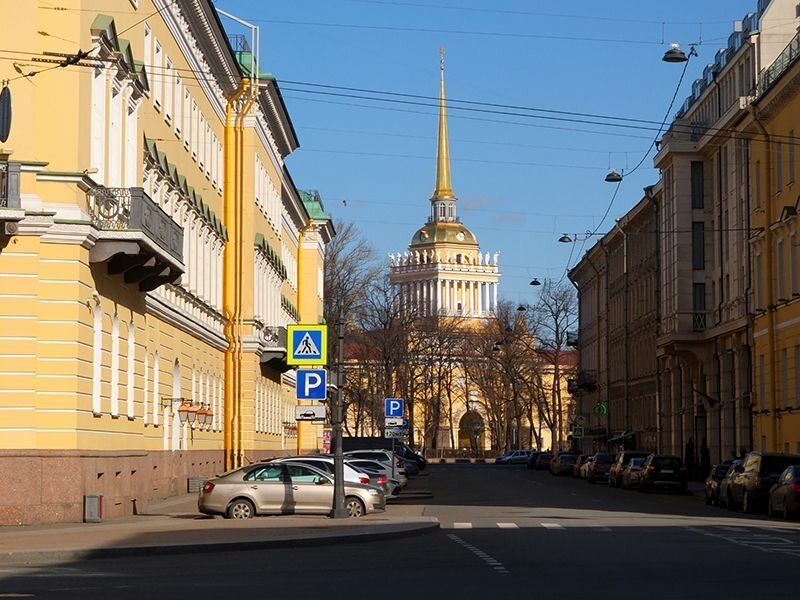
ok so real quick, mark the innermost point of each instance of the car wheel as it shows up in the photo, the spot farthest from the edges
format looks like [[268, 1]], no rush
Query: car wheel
[[354, 507], [729, 502], [747, 504], [709, 500], [240, 509], [785, 510]]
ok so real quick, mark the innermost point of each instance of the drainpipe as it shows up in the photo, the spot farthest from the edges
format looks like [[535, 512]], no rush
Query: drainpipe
[[771, 349], [626, 400], [230, 278], [648, 193]]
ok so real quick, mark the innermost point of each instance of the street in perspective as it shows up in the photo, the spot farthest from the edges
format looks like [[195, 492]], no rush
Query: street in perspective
[[232, 363]]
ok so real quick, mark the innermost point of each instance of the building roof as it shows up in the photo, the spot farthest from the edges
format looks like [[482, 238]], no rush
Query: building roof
[[444, 232], [313, 203]]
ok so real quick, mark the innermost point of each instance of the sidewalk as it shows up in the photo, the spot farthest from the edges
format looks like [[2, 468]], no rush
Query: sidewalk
[[174, 526]]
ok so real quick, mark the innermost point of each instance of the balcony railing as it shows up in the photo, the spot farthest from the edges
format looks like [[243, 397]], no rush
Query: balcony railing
[[123, 209], [786, 59], [9, 184]]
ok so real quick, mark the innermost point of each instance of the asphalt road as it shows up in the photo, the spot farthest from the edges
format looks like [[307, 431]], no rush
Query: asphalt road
[[505, 530]]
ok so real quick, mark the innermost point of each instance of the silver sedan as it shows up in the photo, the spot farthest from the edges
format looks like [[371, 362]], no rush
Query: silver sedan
[[283, 488]]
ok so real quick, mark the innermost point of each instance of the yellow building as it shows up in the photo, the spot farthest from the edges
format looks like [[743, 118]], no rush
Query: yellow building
[[772, 125], [153, 249]]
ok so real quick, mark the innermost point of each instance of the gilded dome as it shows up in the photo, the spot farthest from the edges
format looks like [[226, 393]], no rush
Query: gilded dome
[[443, 233]]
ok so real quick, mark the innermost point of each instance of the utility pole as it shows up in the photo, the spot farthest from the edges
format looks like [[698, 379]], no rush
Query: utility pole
[[338, 416]]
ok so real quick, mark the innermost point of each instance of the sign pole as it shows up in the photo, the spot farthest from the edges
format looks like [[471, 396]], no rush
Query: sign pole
[[339, 511]]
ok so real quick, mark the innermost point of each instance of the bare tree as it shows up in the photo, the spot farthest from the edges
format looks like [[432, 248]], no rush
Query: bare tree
[[553, 316]]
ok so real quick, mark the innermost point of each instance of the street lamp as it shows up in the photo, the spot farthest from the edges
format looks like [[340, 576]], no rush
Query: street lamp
[[535, 282], [613, 176], [676, 55], [564, 239]]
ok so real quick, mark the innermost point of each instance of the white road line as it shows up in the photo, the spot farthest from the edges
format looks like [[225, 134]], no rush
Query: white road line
[[491, 562], [551, 525], [508, 526], [462, 525]]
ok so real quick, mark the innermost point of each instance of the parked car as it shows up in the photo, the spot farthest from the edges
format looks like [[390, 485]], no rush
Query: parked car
[[599, 467], [713, 480], [586, 466], [325, 464], [282, 488], [562, 463], [386, 456], [542, 461], [513, 457], [784, 497], [722, 494], [619, 464], [376, 465], [632, 474], [663, 471], [531, 462], [350, 444], [750, 484], [579, 462]]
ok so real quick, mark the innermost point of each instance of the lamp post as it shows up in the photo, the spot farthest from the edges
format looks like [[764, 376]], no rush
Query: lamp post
[[339, 511]]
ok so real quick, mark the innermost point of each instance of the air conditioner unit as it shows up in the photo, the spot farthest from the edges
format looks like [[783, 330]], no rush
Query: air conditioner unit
[[10, 228]]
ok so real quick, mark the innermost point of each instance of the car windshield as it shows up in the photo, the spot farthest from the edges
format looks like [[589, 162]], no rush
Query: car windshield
[[720, 470], [636, 462], [604, 459], [569, 458]]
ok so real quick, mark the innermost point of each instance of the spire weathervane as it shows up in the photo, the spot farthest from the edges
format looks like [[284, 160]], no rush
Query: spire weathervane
[[443, 189]]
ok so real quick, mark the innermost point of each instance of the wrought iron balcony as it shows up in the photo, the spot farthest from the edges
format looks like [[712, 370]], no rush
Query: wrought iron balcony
[[785, 59], [136, 237], [272, 341], [9, 184]]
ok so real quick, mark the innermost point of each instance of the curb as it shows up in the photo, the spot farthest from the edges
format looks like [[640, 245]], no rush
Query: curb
[[15, 558]]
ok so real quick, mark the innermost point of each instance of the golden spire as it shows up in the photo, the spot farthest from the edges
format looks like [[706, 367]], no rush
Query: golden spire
[[443, 188]]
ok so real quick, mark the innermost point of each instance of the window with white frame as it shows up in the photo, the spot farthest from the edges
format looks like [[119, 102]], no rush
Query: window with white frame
[[194, 129], [187, 117], [146, 388], [115, 366], [169, 90], [98, 124], [131, 370], [156, 387], [97, 359], [158, 75]]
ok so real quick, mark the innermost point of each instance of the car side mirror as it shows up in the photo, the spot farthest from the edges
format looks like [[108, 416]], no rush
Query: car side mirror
[[321, 481]]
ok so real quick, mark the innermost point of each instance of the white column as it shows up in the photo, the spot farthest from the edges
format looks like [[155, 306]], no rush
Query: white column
[[436, 285], [480, 298], [494, 302]]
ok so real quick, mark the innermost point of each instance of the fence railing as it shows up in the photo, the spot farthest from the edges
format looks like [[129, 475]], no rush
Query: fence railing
[[785, 59]]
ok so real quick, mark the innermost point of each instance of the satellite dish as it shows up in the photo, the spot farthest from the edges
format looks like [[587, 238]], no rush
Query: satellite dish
[[5, 113]]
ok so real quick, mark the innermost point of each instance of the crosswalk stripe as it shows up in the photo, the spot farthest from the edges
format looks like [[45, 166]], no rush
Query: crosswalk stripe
[[551, 525], [508, 526], [462, 525]]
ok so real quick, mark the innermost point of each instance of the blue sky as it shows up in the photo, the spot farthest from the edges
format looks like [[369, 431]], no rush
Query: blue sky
[[521, 181]]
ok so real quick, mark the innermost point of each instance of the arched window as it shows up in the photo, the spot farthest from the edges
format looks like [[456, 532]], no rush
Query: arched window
[[146, 387], [156, 376]]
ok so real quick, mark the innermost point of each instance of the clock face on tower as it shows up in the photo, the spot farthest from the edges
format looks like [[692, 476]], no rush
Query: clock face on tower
[[460, 236]]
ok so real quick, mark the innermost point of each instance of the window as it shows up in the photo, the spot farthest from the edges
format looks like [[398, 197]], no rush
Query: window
[[97, 357], [169, 91], [797, 375], [785, 376], [148, 42], [781, 274], [757, 184], [158, 76], [187, 117], [156, 375], [779, 167], [273, 473], [699, 306], [698, 245], [697, 184], [131, 374], [791, 156], [759, 283], [793, 264], [178, 105], [115, 366], [762, 386]]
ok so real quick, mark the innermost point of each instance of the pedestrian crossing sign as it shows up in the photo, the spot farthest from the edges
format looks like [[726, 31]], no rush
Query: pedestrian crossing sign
[[308, 345]]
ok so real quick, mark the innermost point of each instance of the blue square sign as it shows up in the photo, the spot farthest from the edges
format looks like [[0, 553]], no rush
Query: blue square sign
[[394, 407], [312, 384]]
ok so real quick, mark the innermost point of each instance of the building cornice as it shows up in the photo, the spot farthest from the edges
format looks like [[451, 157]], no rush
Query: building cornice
[[160, 307]]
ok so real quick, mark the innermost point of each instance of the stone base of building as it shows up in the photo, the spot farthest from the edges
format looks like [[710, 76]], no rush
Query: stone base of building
[[49, 486]]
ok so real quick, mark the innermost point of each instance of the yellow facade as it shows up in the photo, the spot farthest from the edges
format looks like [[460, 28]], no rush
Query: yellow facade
[[772, 123], [119, 179]]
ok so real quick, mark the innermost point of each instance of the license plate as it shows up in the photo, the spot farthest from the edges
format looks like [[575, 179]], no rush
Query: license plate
[[667, 471]]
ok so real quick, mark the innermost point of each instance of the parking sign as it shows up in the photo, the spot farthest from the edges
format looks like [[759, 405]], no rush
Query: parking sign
[[393, 407], [312, 384]]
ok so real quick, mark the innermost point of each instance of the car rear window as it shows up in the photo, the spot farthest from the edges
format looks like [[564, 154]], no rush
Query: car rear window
[[603, 459], [569, 458], [667, 462], [720, 470], [776, 464]]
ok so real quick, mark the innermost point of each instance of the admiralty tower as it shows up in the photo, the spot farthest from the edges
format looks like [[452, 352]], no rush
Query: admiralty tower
[[444, 272]]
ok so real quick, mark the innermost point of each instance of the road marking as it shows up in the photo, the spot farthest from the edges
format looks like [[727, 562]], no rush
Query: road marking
[[551, 525], [490, 561], [462, 525], [757, 541], [508, 526]]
